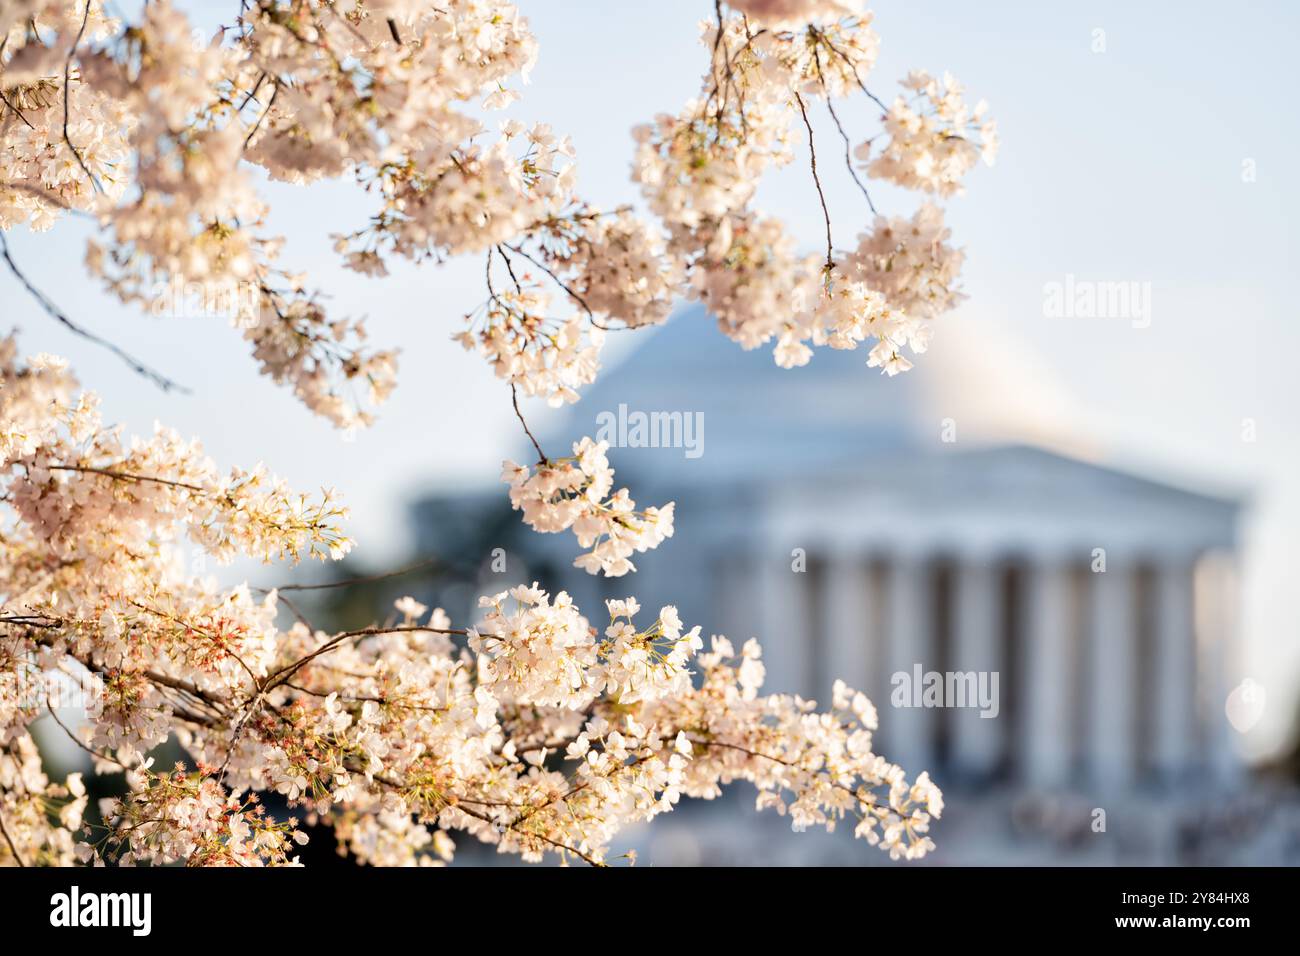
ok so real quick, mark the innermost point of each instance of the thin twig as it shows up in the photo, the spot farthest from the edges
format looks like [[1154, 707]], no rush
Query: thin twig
[[8, 839], [126, 476], [717, 42], [17, 111], [284, 673], [252, 93], [77, 740], [236, 733], [162, 381], [826, 213], [510, 269], [779, 760], [364, 579], [295, 611], [591, 316], [852, 66], [848, 157], [515, 826], [848, 146], [261, 116], [67, 71], [514, 398]]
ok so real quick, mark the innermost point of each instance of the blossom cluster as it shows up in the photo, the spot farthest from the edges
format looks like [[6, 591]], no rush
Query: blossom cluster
[[531, 350], [615, 266], [187, 816], [934, 138], [574, 493], [851, 311], [97, 521], [44, 172], [42, 820], [910, 262], [699, 171], [83, 492], [161, 130], [608, 268]]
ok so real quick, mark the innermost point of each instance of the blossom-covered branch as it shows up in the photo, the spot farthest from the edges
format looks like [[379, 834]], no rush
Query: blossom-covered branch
[[533, 730]]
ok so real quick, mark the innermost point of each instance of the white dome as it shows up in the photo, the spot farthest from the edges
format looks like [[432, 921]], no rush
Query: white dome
[[834, 410]]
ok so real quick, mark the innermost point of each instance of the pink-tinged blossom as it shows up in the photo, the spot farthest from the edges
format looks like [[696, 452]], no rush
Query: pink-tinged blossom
[[577, 494], [935, 139]]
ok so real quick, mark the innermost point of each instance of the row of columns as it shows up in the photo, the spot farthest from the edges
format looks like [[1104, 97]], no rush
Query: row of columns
[[1070, 638]]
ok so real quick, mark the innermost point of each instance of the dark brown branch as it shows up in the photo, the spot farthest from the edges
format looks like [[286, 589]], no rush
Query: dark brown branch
[[295, 611], [284, 673], [848, 146], [826, 213], [591, 316], [498, 825], [510, 270], [514, 398], [8, 839], [164, 680], [126, 476], [162, 381], [43, 621], [17, 111], [252, 93]]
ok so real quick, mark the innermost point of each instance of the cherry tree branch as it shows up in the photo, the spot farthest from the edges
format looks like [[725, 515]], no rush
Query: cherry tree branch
[[428, 563], [162, 381], [67, 71], [822, 37], [848, 146], [821, 196], [514, 398], [4, 831], [126, 476]]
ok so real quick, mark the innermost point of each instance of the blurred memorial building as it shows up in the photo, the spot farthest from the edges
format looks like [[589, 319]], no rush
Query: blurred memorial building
[[943, 525]]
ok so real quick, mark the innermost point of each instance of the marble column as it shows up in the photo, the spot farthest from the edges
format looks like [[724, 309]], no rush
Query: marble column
[[849, 639], [1046, 732], [1216, 622], [1175, 669], [978, 740], [908, 730], [784, 613], [1112, 656], [734, 609]]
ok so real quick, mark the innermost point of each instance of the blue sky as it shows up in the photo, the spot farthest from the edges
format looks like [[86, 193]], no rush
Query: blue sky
[[1119, 165]]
